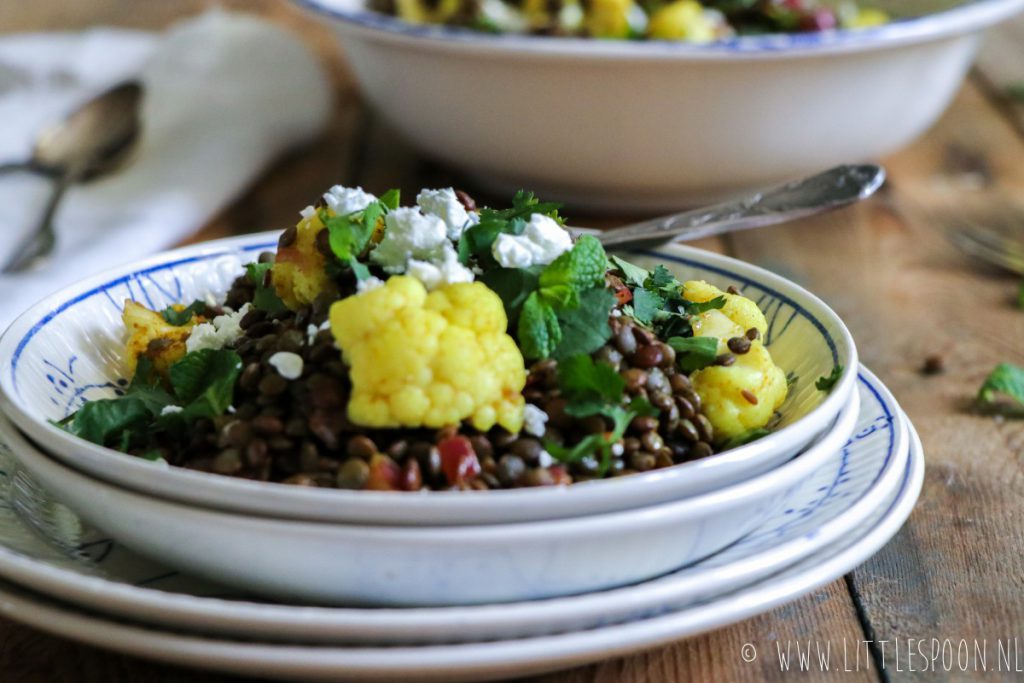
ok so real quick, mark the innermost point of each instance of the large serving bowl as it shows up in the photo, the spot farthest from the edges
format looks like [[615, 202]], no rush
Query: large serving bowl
[[333, 563], [69, 348], [652, 125]]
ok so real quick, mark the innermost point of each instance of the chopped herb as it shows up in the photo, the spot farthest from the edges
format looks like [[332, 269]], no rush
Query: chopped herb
[[512, 285], [104, 420], [705, 306], [204, 382], [390, 199], [349, 235], [791, 379], [646, 304], [694, 353], [582, 380], [1005, 380], [585, 329], [633, 274], [183, 316], [826, 383], [265, 298], [538, 329], [661, 278], [477, 240], [581, 268]]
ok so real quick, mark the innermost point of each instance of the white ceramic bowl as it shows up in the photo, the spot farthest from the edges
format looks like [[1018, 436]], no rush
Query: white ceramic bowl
[[380, 565], [654, 125], [68, 348]]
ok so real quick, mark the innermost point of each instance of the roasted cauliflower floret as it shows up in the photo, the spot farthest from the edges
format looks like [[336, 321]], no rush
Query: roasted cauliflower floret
[[682, 20], [299, 274], [609, 18], [743, 396], [430, 360], [151, 336]]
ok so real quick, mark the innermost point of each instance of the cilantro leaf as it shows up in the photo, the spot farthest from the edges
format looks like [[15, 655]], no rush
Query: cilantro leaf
[[182, 317], [582, 380], [585, 329], [265, 298], [1005, 380], [694, 352], [582, 267], [102, 421], [538, 330], [634, 275], [695, 307], [661, 278], [204, 382], [390, 199], [477, 240], [646, 304], [826, 383]]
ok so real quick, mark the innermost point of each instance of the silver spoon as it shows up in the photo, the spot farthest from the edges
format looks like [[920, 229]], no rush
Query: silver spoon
[[94, 140], [835, 188]]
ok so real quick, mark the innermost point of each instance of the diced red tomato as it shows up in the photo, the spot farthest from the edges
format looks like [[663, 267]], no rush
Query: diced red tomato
[[458, 460]]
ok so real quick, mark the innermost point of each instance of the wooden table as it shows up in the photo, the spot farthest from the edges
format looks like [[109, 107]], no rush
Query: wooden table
[[955, 570]]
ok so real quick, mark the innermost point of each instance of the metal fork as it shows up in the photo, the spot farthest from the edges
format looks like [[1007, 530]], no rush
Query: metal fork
[[994, 235]]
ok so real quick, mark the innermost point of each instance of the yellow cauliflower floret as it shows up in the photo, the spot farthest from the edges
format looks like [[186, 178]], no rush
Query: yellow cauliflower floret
[[430, 360], [743, 396], [609, 18], [299, 274], [151, 336], [682, 20], [863, 17]]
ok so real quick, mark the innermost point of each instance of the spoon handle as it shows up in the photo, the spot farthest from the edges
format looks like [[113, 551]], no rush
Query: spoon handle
[[41, 241], [832, 189]]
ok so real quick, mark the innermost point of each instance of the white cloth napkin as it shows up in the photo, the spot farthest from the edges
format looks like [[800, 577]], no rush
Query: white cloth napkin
[[225, 94]]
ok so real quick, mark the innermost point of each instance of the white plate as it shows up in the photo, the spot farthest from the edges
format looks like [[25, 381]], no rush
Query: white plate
[[110, 578], [68, 348], [477, 661], [334, 564]]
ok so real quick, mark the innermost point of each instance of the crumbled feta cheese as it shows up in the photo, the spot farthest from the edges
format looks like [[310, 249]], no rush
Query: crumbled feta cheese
[[311, 332], [369, 283], [308, 212], [535, 420], [570, 17], [545, 459], [171, 410], [446, 206], [409, 234], [443, 269], [503, 16], [346, 200], [220, 332], [287, 364], [543, 240], [618, 449]]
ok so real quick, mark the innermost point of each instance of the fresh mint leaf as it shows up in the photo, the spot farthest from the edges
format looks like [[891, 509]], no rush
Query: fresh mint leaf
[[538, 330], [204, 382], [582, 267], [582, 380], [1005, 380], [265, 298], [634, 275], [102, 421], [826, 383], [585, 329], [694, 353], [646, 304], [182, 317]]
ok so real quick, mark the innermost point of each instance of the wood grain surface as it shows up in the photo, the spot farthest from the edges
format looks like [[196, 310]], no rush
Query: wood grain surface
[[957, 568]]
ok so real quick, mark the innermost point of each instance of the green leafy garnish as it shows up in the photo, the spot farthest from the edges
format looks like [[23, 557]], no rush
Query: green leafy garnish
[[1020, 295], [646, 305], [634, 275], [391, 199], [585, 328], [826, 383], [265, 298], [581, 268], [182, 317], [538, 330], [476, 241], [349, 235], [202, 383], [512, 285], [1005, 380], [595, 388], [694, 353]]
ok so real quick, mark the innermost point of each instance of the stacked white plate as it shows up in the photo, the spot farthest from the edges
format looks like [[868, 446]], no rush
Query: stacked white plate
[[511, 591]]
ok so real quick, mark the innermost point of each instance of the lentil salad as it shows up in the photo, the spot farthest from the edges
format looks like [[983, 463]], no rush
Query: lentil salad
[[440, 346]]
